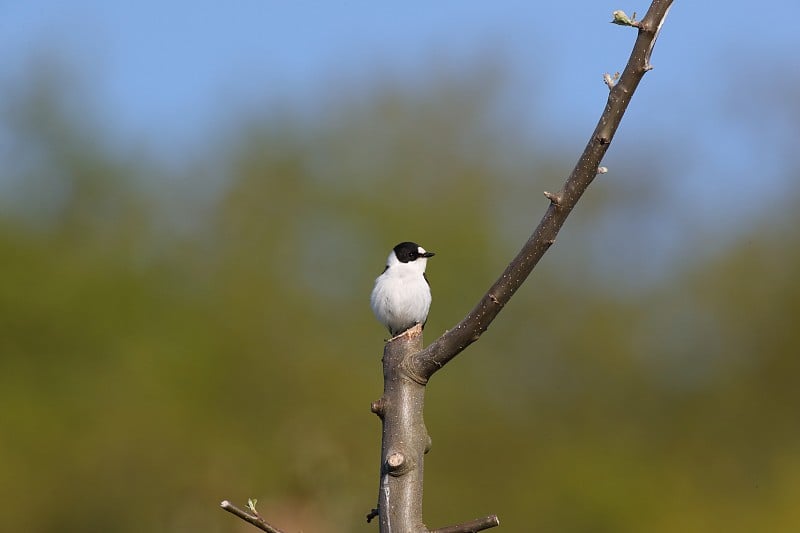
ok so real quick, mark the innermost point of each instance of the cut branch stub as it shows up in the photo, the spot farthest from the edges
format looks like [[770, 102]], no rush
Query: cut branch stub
[[377, 407]]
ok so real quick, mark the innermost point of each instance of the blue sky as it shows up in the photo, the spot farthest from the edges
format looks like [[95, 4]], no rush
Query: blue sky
[[163, 67], [168, 72]]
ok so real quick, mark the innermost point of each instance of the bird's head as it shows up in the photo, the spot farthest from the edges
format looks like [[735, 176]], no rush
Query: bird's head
[[409, 256]]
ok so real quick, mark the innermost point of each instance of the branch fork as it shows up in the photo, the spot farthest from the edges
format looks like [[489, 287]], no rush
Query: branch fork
[[408, 367]]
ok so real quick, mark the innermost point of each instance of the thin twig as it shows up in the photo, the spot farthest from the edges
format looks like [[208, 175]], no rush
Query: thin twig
[[247, 517], [373, 513], [479, 524]]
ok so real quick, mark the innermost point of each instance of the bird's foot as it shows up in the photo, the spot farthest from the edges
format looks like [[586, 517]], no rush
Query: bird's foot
[[413, 331]]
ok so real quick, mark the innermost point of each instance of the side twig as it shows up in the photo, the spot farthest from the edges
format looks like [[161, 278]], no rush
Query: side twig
[[254, 519], [479, 524]]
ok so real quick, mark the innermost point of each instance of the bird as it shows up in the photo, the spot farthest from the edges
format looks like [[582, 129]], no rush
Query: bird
[[401, 297]]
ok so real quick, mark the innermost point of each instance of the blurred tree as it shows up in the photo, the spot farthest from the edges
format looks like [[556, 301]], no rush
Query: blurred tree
[[146, 373]]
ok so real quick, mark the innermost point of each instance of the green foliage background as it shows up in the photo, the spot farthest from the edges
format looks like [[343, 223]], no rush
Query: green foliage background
[[171, 337]]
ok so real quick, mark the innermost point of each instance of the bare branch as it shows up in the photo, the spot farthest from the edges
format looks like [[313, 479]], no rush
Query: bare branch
[[247, 517], [479, 524], [652, 24], [453, 342]]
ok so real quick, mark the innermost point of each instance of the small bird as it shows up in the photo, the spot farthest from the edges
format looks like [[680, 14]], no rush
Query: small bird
[[402, 295]]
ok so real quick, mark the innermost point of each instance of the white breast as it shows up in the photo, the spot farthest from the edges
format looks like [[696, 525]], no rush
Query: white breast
[[401, 297]]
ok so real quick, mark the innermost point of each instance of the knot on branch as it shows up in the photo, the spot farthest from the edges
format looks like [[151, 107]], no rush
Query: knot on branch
[[398, 464], [378, 407]]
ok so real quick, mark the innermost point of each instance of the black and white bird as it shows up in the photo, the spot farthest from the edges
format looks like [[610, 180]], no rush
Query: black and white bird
[[402, 296]]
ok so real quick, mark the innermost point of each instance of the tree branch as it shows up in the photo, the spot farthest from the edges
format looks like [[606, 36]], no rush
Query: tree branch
[[254, 519], [428, 361], [407, 367], [479, 524]]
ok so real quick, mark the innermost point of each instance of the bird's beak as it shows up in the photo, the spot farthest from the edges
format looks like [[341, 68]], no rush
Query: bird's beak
[[428, 254]]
